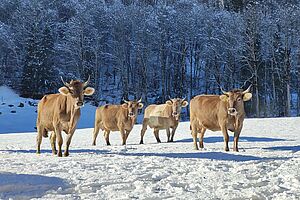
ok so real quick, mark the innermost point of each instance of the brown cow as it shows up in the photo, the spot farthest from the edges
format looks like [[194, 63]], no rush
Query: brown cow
[[164, 116], [61, 112], [116, 118], [214, 112]]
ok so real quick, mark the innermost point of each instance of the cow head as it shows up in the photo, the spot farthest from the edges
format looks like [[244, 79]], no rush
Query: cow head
[[76, 90], [132, 107], [235, 100], [177, 104]]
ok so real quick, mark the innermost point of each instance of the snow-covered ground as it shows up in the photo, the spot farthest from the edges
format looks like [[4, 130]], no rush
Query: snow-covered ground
[[267, 166]]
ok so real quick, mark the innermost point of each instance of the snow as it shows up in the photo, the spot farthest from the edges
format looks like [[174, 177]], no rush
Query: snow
[[267, 166]]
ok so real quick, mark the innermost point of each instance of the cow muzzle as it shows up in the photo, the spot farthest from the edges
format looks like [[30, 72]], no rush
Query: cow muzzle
[[232, 111], [79, 104], [131, 114], [175, 115]]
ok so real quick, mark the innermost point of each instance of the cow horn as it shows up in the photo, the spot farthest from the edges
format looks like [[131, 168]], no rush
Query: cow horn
[[170, 98], [87, 82], [183, 99], [224, 92], [125, 101], [139, 101], [65, 83], [247, 90]]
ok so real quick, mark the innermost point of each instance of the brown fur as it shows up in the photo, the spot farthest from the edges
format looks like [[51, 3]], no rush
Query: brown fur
[[161, 117], [210, 112], [58, 112], [116, 118]]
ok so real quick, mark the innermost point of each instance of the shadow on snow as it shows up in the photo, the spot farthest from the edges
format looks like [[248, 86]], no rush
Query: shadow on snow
[[205, 155], [27, 186], [216, 139], [71, 151], [294, 149]]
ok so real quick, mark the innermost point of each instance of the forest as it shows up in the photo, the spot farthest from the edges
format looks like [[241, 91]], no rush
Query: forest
[[155, 49]]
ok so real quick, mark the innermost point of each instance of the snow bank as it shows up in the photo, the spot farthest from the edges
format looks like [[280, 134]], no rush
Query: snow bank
[[25, 186], [19, 114]]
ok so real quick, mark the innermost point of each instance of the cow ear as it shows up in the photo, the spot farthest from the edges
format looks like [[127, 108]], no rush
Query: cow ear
[[140, 105], [89, 91], [169, 102], [184, 104], [125, 105], [224, 98], [247, 96], [64, 91]]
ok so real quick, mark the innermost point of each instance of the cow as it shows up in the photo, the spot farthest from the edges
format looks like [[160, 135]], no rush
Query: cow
[[219, 113], [60, 112], [163, 116], [116, 118]]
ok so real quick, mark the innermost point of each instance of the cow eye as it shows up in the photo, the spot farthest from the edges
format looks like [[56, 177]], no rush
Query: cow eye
[[239, 99]]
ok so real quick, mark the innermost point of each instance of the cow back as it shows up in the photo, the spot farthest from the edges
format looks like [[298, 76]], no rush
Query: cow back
[[162, 110], [54, 108], [109, 116], [208, 111]]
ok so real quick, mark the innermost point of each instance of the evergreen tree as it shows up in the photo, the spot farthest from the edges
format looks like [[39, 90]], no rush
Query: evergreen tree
[[39, 72]]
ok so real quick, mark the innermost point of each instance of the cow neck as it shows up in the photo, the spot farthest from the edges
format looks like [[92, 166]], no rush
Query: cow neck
[[170, 113], [237, 120], [71, 108], [130, 119]]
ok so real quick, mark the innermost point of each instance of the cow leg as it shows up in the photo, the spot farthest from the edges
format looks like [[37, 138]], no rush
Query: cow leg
[[144, 128], [59, 141], [127, 134], [173, 133], [226, 137], [95, 134], [123, 134], [156, 134], [106, 136], [236, 140], [68, 142], [194, 134], [168, 134], [39, 138], [201, 136], [53, 143]]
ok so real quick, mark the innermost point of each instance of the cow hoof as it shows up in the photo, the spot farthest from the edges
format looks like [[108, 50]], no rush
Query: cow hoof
[[54, 152], [59, 154], [38, 152], [141, 142], [66, 155], [94, 144], [226, 149]]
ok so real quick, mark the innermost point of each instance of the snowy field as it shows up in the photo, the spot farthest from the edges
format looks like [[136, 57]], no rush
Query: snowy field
[[267, 166]]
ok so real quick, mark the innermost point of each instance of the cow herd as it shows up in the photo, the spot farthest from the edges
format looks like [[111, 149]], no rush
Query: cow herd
[[61, 112]]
